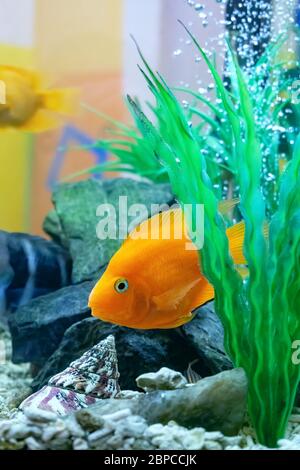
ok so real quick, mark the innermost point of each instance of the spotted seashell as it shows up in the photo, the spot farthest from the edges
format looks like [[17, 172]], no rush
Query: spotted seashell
[[91, 377]]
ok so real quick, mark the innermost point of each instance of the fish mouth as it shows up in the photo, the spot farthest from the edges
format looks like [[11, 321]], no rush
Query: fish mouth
[[100, 314]]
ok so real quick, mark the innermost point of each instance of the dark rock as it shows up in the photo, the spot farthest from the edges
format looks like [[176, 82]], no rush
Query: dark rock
[[138, 351], [30, 266], [205, 333], [59, 325], [76, 221], [38, 327]]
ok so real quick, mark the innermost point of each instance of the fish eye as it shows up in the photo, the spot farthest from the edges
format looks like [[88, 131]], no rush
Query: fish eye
[[121, 285]]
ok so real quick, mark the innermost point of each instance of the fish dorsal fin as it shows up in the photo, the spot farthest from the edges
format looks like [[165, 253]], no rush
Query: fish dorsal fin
[[236, 235], [167, 225], [170, 224], [169, 300]]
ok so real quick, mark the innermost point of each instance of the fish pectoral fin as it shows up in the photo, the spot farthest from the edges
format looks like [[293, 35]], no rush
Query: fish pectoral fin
[[170, 299], [41, 121], [64, 101]]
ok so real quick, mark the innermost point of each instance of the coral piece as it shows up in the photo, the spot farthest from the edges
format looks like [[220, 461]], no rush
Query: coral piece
[[91, 377]]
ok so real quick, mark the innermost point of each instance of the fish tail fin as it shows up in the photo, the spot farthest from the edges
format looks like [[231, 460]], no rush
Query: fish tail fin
[[236, 235], [63, 101]]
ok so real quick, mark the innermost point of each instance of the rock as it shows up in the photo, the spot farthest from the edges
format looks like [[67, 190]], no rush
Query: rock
[[91, 377], [163, 379], [205, 333], [53, 228], [217, 403], [138, 351], [76, 220], [38, 327], [29, 267]]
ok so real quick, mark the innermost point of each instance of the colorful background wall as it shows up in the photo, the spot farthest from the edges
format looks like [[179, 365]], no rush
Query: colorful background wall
[[16, 48], [86, 44]]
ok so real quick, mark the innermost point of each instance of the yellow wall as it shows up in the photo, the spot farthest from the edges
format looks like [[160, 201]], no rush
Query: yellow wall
[[75, 43], [15, 159], [78, 35], [79, 43]]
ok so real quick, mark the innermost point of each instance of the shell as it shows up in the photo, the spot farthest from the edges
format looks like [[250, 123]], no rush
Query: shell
[[91, 377]]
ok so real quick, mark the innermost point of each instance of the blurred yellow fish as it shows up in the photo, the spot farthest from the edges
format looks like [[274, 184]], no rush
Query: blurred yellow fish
[[153, 282], [28, 106]]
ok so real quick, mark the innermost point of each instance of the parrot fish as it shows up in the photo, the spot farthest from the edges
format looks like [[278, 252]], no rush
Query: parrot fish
[[152, 282], [26, 105], [155, 283]]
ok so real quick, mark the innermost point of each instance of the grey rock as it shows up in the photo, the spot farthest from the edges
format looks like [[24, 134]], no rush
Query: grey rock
[[163, 379], [138, 351], [76, 219], [205, 333], [38, 327], [30, 266], [52, 227], [217, 403]]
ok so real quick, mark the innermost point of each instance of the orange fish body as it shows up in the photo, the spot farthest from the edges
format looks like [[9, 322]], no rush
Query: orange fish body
[[156, 283], [27, 105]]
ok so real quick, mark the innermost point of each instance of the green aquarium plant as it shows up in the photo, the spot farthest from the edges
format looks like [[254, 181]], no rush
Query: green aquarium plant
[[270, 93], [269, 87], [131, 151], [260, 313]]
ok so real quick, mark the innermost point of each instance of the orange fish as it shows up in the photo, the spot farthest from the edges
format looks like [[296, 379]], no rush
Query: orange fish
[[27, 105], [157, 283]]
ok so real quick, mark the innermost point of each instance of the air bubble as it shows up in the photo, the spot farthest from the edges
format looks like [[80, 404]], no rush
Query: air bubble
[[199, 7], [177, 52]]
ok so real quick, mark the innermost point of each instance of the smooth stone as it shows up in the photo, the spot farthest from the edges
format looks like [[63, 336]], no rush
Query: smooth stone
[[76, 220], [216, 403], [163, 379]]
